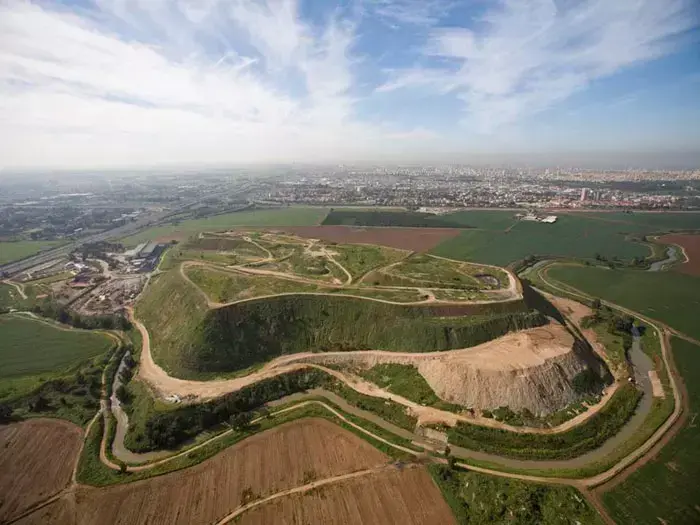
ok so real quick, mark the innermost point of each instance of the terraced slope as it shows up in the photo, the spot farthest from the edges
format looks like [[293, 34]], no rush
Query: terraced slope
[[191, 341]]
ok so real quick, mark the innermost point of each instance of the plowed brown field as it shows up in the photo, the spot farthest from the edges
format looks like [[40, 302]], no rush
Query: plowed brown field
[[414, 239], [287, 456], [407, 496], [691, 247], [36, 461]]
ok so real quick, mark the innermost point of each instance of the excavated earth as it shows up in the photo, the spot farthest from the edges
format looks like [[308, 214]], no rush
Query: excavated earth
[[532, 369]]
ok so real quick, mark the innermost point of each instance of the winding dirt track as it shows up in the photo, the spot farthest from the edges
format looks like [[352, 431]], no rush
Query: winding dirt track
[[150, 372], [17, 286]]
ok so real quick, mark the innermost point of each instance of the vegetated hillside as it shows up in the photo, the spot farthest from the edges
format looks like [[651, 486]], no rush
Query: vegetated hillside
[[189, 340], [247, 333]]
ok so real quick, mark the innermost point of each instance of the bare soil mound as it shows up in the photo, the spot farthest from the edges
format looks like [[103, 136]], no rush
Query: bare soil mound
[[406, 496], [36, 461], [532, 369]]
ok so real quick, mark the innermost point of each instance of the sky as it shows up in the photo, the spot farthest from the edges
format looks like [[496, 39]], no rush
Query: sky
[[129, 83]]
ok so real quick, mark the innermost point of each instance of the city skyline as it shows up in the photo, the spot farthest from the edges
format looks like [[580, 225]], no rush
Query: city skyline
[[141, 83]]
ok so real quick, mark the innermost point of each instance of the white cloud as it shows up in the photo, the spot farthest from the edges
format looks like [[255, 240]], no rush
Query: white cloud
[[136, 81], [528, 56]]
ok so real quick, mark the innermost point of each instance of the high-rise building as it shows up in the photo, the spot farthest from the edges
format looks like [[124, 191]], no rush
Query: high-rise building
[[584, 194]]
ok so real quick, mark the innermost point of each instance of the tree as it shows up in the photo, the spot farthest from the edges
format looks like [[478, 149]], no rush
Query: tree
[[5, 412], [596, 304], [240, 420]]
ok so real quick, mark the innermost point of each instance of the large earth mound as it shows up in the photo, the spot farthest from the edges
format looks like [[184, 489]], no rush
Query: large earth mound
[[542, 370], [190, 340]]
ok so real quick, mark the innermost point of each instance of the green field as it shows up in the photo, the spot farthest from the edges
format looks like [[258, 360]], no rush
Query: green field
[[290, 216], [666, 490], [570, 236], [486, 219], [479, 498], [651, 222], [13, 250], [670, 297], [32, 347]]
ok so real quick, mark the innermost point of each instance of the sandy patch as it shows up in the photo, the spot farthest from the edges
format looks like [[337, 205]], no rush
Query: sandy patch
[[656, 388]]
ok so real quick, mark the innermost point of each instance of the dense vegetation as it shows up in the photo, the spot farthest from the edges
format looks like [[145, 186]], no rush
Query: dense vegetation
[[172, 428], [64, 315], [478, 498], [666, 488], [580, 439]]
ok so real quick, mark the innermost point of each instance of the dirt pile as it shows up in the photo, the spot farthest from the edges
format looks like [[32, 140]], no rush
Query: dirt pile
[[532, 369]]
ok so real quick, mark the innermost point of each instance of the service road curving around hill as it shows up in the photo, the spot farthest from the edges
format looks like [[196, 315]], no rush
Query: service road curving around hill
[[164, 384]]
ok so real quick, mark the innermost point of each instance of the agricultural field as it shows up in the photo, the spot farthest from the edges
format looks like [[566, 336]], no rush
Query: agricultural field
[[570, 236], [403, 495], [665, 490], [290, 216], [650, 222], [13, 250], [670, 297], [478, 498], [33, 352], [691, 247], [284, 457], [404, 219], [484, 219], [411, 239], [32, 468]]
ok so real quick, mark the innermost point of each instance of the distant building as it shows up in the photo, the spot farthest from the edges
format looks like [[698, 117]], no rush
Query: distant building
[[584, 194], [131, 254]]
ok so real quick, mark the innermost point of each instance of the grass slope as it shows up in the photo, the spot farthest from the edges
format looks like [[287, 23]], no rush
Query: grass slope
[[670, 297], [404, 380], [290, 216], [666, 489], [570, 236]]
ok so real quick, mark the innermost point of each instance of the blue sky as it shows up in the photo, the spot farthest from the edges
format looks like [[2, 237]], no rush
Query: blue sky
[[114, 83]]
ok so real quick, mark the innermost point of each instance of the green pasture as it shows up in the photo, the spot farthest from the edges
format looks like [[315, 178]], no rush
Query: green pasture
[[13, 250], [404, 380], [650, 222], [666, 490], [672, 298], [289, 216], [570, 236], [32, 352]]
